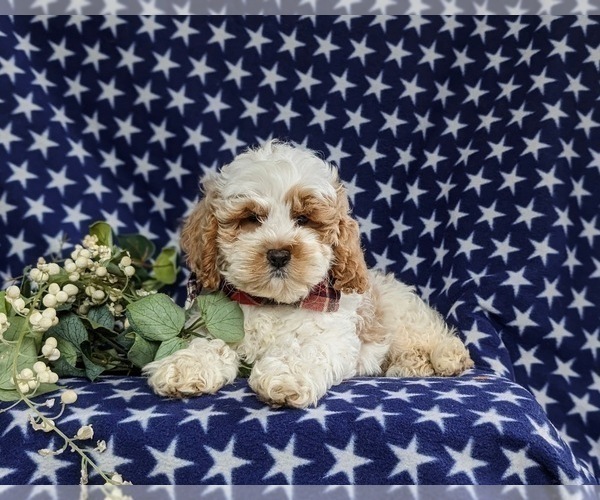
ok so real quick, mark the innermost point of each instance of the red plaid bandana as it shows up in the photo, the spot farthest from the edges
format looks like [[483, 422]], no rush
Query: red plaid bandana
[[322, 298]]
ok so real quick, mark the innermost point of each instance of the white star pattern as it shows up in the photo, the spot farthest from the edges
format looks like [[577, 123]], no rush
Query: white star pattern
[[143, 417], [346, 460], [409, 460], [224, 462], [435, 416], [519, 463], [47, 468], [285, 461], [201, 417], [167, 462], [261, 415], [464, 462], [109, 459]]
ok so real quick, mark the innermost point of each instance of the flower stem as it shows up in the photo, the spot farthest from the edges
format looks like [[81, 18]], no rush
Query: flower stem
[[21, 334], [68, 441], [2, 410]]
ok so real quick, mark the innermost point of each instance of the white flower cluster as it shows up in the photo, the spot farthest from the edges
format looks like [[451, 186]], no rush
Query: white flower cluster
[[93, 275], [50, 350], [13, 297], [126, 267], [57, 296], [42, 321], [42, 272], [80, 261], [44, 374], [29, 380], [92, 259], [95, 294]]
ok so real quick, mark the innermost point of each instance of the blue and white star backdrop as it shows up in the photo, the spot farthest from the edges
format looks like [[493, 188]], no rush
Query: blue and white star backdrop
[[470, 147]]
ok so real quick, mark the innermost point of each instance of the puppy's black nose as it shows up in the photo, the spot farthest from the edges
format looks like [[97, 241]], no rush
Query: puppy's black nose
[[278, 258]]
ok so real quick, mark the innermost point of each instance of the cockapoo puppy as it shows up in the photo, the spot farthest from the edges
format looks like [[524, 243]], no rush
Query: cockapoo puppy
[[274, 232]]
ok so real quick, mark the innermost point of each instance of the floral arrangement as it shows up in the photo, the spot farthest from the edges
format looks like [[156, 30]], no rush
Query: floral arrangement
[[97, 311]]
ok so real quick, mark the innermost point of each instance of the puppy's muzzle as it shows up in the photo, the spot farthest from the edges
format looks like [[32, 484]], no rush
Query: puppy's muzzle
[[278, 258]]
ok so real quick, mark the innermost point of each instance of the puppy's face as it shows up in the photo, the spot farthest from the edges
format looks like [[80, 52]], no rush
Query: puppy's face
[[279, 219], [276, 244]]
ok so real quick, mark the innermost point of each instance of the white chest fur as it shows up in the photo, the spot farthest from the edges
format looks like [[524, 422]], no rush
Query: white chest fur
[[286, 330]]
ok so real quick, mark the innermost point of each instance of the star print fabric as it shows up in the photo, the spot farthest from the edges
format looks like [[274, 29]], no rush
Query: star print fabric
[[470, 149]]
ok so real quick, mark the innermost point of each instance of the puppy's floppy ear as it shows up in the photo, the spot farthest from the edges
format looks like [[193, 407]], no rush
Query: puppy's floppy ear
[[199, 238], [349, 267]]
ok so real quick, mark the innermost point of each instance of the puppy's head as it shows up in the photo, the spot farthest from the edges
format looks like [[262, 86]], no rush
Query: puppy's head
[[274, 223]]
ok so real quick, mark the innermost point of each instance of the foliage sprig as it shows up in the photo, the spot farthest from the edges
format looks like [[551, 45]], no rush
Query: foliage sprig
[[94, 312]]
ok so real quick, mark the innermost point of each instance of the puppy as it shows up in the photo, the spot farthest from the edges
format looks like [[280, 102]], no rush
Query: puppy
[[274, 232]]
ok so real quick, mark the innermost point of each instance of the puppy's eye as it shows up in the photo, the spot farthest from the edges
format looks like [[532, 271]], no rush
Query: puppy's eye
[[252, 218], [302, 220]]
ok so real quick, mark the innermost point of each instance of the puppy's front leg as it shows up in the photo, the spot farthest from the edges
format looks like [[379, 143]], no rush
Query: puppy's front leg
[[422, 344], [300, 368], [201, 368]]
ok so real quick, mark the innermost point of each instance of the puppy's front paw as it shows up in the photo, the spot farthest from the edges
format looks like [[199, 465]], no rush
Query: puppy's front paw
[[451, 357], [202, 368], [284, 390], [182, 377]]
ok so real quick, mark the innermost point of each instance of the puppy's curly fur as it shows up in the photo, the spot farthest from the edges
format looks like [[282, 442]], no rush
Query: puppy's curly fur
[[284, 198]]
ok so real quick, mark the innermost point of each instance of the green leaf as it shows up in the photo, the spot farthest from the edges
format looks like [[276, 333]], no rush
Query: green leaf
[[92, 370], [170, 346], [165, 266], [3, 302], [223, 318], [9, 395], [151, 284], [115, 269], [13, 395], [14, 330], [126, 340], [70, 328], [28, 354], [139, 247], [19, 327], [244, 370], [156, 317], [63, 307], [142, 351], [64, 369], [103, 231], [68, 351], [7, 358], [101, 317], [25, 358], [66, 365]]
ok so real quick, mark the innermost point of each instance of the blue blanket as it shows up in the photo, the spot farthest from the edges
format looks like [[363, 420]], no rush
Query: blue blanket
[[476, 429], [471, 149]]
